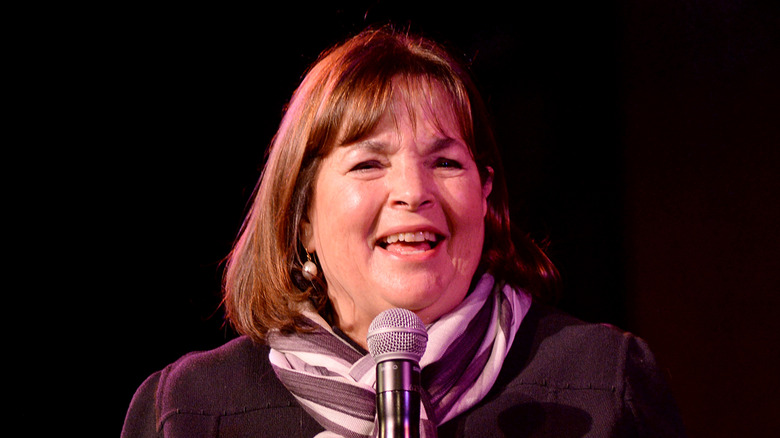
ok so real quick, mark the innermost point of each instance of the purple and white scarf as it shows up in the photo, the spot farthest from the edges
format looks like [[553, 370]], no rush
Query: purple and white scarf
[[466, 348]]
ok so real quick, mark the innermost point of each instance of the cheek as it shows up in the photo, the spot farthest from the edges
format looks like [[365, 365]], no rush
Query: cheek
[[470, 202], [340, 203], [342, 212], [468, 208]]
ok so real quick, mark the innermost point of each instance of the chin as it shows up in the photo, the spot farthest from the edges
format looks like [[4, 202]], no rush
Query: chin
[[428, 306], [430, 314]]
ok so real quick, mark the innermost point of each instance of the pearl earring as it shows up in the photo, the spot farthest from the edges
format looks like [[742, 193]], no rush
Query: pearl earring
[[309, 268]]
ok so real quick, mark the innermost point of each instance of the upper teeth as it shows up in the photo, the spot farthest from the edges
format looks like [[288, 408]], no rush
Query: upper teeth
[[419, 236]]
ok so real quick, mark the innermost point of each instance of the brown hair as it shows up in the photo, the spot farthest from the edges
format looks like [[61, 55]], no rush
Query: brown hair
[[341, 99]]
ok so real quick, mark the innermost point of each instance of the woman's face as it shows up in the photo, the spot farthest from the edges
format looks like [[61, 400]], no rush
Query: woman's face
[[397, 218]]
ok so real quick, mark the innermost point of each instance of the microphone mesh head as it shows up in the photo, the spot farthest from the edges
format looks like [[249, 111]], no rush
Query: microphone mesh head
[[397, 334]]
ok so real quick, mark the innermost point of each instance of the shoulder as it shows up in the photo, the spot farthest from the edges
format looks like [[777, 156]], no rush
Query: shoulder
[[229, 391], [231, 378], [562, 372], [557, 348]]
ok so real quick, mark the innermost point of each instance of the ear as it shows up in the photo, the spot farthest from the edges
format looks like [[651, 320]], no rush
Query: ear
[[307, 236], [487, 187]]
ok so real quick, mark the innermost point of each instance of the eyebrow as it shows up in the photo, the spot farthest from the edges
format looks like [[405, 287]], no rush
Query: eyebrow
[[379, 146], [370, 145], [442, 143]]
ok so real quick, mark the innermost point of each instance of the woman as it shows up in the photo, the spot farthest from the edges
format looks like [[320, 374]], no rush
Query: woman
[[383, 188]]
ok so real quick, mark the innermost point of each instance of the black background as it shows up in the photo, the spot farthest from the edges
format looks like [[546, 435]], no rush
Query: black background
[[640, 138]]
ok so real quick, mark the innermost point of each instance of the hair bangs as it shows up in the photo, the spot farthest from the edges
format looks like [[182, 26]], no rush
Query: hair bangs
[[362, 110], [364, 79]]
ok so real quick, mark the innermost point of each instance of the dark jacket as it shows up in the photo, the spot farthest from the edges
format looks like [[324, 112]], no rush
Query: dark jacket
[[562, 378]]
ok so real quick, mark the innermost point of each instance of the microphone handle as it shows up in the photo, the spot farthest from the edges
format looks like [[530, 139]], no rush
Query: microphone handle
[[398, 399], [395, 420]]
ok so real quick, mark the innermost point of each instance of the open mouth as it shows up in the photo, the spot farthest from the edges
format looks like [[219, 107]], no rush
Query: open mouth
[[407, 243]]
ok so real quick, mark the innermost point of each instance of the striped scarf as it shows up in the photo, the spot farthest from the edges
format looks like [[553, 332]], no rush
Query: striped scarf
[[466, 348]]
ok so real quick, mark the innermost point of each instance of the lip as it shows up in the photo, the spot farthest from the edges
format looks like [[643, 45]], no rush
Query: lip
[[441, 238], [440, 235]]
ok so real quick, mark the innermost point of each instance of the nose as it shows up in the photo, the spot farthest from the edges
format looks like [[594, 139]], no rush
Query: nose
[[411, 187]]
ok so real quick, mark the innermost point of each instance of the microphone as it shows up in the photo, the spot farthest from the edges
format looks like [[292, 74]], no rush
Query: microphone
[[396, 340]]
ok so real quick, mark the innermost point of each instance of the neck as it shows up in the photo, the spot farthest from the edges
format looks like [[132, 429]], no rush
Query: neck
[[351, 330], [340, 333]]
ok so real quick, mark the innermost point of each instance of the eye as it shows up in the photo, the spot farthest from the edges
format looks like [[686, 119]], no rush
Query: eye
[[366, 165], [448, 163]]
